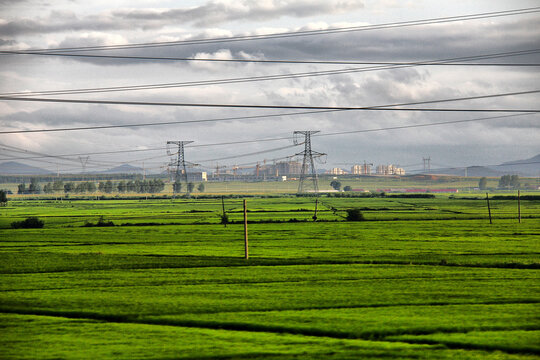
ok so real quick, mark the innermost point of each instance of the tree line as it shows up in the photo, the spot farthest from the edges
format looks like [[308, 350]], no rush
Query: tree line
[[135, 186], [505, 182]]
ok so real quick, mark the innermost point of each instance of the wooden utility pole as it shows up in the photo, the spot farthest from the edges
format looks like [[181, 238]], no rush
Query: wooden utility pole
[[246, 248], [223, 211], [519, 208], [489, 209]]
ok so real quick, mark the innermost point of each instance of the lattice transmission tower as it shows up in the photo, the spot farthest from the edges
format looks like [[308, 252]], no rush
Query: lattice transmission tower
[[308, 174], [427, 164], [180, 172]]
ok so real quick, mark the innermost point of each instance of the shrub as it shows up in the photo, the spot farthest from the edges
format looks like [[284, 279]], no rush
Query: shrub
[[103, 222], [354, 215], [224, 219], [30, 223]]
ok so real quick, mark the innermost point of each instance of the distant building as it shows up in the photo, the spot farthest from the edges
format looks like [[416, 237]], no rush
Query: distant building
[[288, 168], [336, 171], [197, 176], [283, 168], [361, 169], [389, 170]]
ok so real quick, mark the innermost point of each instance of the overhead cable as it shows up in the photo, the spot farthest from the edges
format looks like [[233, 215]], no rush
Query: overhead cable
[[284, 138], [249, 79], [270, 61], [390, 25], [390, 107]]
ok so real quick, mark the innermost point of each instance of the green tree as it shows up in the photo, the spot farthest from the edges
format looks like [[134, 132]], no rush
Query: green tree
[[3, 198], [177, 187], [122, 186], [48, 188], [156, 185], [514, 181], [58, 186], [69, 187], [335, 184], [190, 187], [80, 188], [482, 184], [109, 187], [34, 187], [21, 188], [509, 182], [130, 186], [91, 187], [504, 181], [347, 188], [201, 187]]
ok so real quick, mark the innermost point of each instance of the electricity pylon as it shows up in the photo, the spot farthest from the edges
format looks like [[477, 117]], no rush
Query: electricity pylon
[[427, 161], [180, 161], [308, 174]]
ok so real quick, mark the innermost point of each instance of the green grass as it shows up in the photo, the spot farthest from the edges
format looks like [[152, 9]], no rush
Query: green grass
[[421, 279]]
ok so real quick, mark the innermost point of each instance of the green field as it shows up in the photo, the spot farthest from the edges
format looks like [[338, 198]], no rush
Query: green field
[[418, 279]]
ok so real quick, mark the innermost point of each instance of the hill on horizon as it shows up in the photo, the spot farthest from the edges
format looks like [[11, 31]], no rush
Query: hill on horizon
[[16, 168], [122, 169]]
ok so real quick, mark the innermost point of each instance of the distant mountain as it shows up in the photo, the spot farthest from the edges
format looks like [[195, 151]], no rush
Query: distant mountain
[[527, 167], [474, 171], [15, 168], [123, 169]]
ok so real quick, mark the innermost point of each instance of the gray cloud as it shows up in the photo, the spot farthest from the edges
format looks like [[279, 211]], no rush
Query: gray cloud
[[216, 12], [212, 13]]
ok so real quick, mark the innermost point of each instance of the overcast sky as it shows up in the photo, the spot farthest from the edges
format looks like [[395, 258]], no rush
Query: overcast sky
[[50, 24]]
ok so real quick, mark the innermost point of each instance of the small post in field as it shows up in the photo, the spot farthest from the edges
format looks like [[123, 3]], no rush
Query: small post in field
[[246, 249], [223, 219], [519, 208], [489, 209], [315, 215]]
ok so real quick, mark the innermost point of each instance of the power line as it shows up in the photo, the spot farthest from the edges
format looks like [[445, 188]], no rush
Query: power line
[[380, 107], [421, 125], [261, 61], [264, 140], [390, 25], [391, 107], [165, 123], [266, 77], [249, 154]]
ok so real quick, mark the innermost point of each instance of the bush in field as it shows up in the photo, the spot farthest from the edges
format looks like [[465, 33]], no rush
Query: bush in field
[[347, 188], [354, 215], [224, 219], [30, 223], [100, 223], [335, 184]]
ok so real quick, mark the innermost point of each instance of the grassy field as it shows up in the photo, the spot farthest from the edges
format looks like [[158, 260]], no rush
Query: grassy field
[[418, 279]]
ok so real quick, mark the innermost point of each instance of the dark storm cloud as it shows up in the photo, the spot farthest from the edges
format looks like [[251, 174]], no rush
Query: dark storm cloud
[[60, 21], [212, 13], [72, 117], [216, 12], [4, 42], [410, 44]]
